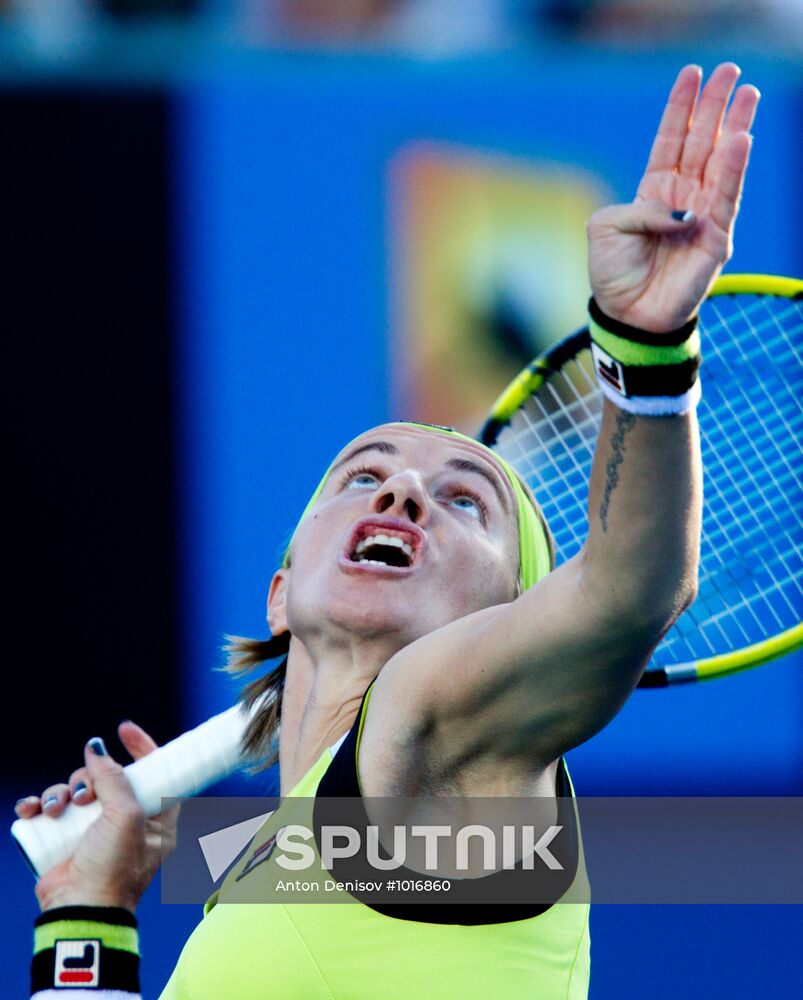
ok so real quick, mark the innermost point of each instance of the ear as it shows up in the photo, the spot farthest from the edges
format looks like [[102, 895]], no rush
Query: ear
[[277, 606]]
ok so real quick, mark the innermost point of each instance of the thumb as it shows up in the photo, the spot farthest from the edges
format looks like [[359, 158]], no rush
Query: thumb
[[108, 779], [642, 217]]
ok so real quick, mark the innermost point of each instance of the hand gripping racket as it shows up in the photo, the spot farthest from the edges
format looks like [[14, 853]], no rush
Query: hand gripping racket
[[183, 767], [750, 599]]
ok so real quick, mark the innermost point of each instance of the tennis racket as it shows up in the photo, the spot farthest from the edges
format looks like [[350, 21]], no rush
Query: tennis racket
[[749, 605]]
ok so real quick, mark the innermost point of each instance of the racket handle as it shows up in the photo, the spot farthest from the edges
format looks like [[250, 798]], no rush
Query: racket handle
[[183, 767]]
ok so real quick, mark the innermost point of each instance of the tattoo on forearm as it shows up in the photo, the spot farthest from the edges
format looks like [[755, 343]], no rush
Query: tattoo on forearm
[[624, 421]]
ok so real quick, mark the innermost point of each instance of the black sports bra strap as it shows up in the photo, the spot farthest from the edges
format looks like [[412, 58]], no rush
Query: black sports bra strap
[[340, 780]]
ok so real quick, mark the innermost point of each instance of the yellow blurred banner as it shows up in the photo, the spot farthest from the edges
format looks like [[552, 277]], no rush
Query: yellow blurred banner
[[488, 267]]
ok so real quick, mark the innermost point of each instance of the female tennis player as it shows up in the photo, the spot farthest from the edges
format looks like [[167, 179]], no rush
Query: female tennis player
[[431, 649]]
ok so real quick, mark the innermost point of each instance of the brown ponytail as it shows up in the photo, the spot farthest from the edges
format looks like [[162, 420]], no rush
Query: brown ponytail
[[260, 743]]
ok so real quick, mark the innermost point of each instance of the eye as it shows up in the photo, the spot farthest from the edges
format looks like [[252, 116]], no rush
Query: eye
[[471, 504], [360, 479]]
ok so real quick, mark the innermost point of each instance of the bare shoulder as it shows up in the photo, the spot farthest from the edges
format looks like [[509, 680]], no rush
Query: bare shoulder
[[487, 703], [420, 735]]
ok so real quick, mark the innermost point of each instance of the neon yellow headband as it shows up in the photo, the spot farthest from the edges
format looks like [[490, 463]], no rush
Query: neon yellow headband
[[534, 558]]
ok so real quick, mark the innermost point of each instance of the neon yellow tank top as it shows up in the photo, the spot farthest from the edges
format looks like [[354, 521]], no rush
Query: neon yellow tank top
[[321, 951]]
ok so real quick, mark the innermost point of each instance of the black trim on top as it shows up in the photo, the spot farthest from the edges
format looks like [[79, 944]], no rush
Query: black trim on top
[[117, 970], [670, 339], [340, 780], [116, 915]]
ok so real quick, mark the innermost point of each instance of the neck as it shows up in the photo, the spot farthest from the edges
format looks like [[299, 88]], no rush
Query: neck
[[322, 696]]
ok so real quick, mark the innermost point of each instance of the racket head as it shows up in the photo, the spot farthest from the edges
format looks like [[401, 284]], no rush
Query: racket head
[[750, 601]]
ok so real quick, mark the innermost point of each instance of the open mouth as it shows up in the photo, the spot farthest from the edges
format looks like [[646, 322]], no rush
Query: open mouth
[[383, 546], [383, 550]]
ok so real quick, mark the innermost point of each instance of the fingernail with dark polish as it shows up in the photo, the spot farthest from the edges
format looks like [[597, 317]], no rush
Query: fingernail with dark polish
[[97, 746], [683, 216], [51, 800], [80, 790]]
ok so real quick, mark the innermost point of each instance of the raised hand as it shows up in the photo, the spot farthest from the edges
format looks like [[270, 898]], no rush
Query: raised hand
[[652, 262], [119, 854]]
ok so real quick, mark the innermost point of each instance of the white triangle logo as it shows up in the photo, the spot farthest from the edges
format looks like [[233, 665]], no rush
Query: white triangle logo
[[221, 848]]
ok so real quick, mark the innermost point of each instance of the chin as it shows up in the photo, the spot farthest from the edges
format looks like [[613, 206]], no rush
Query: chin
[[378, 622], [396, 622]]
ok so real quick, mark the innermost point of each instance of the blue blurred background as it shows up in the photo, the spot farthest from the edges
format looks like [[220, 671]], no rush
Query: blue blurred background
[[203, 300]]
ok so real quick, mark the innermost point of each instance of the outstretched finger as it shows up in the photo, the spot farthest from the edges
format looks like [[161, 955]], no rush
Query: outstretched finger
[[668, 145], [136, 741], [742, 111], [728, 191], [739, 118], [707, 120]]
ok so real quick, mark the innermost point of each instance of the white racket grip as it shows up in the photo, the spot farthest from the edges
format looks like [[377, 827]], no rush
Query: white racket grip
[[183, 767]]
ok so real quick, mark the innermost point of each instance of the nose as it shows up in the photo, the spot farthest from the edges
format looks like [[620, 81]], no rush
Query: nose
[[403, 495]]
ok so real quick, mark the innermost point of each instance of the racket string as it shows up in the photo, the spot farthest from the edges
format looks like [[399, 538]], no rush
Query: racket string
[[766, 455], [736, 550]]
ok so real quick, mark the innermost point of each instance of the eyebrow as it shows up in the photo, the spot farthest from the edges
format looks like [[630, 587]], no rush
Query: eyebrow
[[465, 465], [383, 446]]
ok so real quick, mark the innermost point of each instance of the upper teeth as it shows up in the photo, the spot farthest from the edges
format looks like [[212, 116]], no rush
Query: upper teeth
[[397, 543]]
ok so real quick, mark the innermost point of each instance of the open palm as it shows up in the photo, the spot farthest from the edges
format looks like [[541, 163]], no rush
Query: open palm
[[647, 267]]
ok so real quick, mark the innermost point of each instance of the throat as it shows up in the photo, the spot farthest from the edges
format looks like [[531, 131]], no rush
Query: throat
[[309, 727]]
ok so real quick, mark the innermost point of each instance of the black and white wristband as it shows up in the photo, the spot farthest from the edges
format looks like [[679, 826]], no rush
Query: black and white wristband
[[645, 373], [85, 947]]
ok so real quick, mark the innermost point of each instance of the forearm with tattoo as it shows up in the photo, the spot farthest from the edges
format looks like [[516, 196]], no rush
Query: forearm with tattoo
[[624, 421]]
